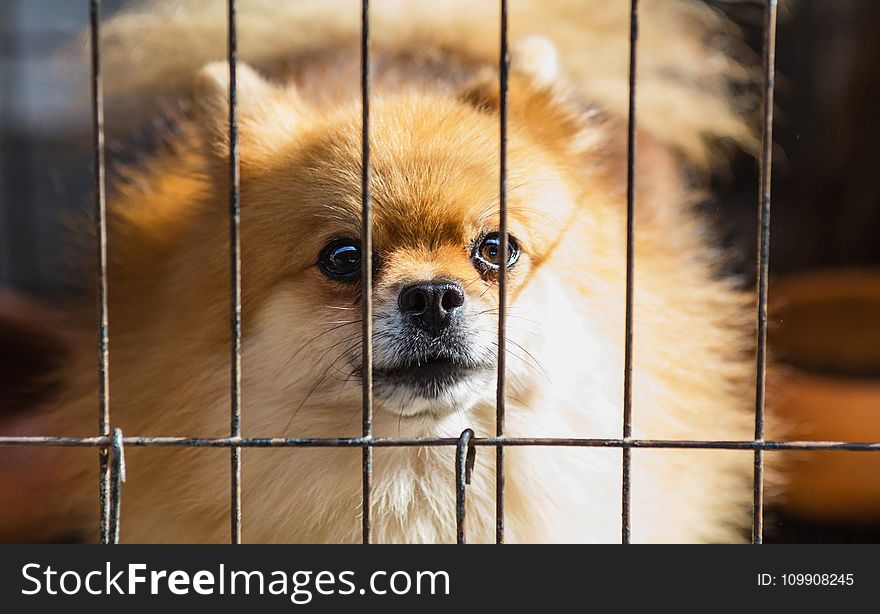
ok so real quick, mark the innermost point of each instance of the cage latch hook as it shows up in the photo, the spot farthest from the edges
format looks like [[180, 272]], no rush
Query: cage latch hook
[[117, 477], [465, 455]]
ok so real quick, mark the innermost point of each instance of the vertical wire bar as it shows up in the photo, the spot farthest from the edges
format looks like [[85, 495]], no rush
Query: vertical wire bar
[[503, 72], [101, 232], [366, 275], [626, 482], [465, 453], [117, 477], [766, 164], [235, 279]]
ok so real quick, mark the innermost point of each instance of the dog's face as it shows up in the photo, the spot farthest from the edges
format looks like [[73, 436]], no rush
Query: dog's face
[[436, 249]]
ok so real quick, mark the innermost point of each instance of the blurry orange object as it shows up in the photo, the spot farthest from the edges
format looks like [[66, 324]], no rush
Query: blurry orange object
[[826, 325]]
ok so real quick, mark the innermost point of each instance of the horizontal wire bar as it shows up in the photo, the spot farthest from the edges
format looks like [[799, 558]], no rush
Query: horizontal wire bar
[[360, 442]]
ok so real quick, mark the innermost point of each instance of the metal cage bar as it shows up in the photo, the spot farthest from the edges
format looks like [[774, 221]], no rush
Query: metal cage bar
[[501, 389], [381, 442], [97, 95], [626, 453], [763, 260], [235, 278], [366, 277]]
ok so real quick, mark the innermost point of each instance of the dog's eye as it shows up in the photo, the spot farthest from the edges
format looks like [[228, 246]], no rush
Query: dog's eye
[[487, 251], [341, 259]]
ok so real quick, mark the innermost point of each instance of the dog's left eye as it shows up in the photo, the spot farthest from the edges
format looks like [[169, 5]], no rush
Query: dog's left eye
[[487, 251], [341, 259]]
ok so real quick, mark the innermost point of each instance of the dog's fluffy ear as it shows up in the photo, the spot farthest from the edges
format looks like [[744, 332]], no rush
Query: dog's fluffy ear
[[534, 67], [538, 99], [539, 102], [536, 56], [264, 108]]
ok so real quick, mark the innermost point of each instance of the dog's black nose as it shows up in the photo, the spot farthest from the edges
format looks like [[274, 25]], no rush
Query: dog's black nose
[[431, 306]]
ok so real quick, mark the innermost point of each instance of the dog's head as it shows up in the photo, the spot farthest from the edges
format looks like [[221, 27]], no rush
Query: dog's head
[[434, 191]]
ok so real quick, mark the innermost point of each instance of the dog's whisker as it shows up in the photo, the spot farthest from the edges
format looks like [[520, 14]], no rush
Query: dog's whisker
[[320, 335]]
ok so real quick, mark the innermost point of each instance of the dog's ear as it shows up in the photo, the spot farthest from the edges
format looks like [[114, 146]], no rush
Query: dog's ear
[[538, 99], [534, 70], [266, 111], [33, 347], [541, 104]]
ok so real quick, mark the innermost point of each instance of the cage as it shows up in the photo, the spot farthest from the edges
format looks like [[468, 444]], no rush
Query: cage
[[111, 443]]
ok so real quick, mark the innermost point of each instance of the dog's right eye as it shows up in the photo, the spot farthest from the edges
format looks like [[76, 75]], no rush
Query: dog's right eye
[[341, 259]]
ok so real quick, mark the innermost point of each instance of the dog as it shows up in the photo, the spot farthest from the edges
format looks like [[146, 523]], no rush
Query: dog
[[434, 173]]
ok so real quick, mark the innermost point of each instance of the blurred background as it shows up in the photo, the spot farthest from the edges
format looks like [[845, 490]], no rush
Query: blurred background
[[825, 252]]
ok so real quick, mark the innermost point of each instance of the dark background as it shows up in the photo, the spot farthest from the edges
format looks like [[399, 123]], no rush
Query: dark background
[[826, 200]]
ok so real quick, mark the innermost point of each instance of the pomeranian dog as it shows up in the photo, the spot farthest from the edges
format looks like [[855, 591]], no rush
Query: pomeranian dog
[[435, 174]]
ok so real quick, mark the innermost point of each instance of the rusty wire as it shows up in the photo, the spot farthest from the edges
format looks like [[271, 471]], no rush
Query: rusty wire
[[366, 277], [763, 260], [626, 453], [235, 278], [101, 270]]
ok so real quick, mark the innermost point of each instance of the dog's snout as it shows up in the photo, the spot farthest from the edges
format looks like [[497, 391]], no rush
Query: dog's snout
[[430, 306]]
